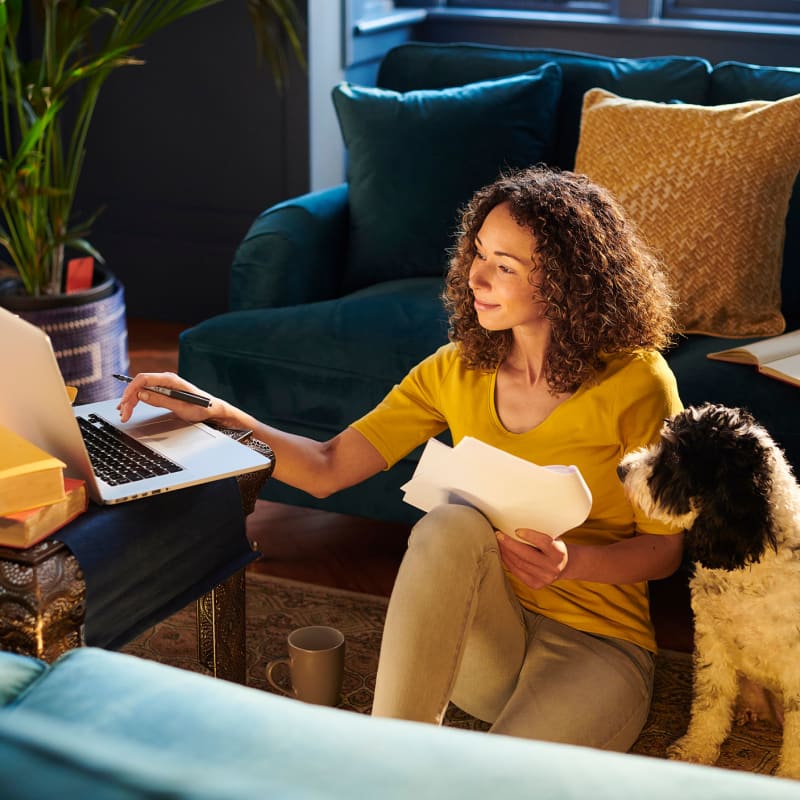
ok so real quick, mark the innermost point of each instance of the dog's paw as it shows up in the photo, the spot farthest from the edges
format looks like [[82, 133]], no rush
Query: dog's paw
[[687, 749]]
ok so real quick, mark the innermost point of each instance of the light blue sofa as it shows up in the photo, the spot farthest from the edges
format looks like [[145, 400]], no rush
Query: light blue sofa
[[107, 726], [335, 294]]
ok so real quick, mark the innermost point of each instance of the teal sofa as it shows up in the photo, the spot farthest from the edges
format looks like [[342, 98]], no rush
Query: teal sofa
[[108, 726], [335, 295]]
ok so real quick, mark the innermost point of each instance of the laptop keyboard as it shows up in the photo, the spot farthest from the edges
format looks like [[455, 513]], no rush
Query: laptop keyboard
[[119, 458]]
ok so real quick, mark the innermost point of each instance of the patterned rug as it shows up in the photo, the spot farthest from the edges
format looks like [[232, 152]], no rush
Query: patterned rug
[[276, 606]]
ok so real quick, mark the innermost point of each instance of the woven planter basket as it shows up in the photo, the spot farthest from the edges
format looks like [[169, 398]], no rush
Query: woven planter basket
[[88, 332]]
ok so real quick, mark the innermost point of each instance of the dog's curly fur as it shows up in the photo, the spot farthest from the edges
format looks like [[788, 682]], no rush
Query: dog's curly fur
[[718, 474]]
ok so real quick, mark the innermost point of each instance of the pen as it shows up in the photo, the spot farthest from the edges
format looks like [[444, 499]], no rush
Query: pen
[[176, 394]]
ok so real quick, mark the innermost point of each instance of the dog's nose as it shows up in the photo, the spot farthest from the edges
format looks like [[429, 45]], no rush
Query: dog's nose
[[622, 470]]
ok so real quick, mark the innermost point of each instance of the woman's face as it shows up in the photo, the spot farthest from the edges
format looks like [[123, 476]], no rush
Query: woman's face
[[499, 275]]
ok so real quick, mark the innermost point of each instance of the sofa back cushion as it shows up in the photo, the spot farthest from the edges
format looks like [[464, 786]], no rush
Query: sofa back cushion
[[433, 66], [733, 82], [415, 158]]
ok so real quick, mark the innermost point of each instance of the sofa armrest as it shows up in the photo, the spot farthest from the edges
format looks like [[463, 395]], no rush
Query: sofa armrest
[[293, 253], [106, 725]]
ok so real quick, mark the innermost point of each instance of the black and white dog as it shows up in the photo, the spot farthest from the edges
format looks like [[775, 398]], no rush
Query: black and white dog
[[717, 474]]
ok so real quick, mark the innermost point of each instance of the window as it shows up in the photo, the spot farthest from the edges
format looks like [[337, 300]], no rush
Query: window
[[770, 11], [765, 11], [578, 6]]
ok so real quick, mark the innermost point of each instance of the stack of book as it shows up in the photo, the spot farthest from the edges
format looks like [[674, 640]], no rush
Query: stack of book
[[36, 498]]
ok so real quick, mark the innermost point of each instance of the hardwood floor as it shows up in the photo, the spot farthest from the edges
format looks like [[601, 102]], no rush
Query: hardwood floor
[[306, 544], [354, 553]]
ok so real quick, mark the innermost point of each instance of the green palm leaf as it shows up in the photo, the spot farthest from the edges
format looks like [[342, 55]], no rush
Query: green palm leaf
[[42, 156]]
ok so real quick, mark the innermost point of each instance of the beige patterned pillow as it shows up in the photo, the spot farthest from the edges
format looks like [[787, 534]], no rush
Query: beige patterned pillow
[[708, 188]]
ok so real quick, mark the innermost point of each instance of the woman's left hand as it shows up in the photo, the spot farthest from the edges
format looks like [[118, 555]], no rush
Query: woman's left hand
[[539, 562]]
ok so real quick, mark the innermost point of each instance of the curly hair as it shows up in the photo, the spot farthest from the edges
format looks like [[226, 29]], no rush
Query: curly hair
[[603, 290]]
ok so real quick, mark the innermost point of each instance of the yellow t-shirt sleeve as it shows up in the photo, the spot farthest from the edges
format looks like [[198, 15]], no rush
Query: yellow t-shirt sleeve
[[410, 413]]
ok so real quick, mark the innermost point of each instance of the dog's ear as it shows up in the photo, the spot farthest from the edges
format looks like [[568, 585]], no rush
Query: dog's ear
[[735, 524]]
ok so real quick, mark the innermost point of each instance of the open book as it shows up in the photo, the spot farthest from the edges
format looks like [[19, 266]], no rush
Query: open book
[[778, 357], [510, 491]]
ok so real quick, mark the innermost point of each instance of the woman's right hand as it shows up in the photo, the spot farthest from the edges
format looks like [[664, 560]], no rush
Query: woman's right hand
[[136, 391], [319, 468]]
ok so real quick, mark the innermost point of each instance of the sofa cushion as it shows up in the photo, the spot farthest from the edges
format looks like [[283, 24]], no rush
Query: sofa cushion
[[17, 673], [415, 158], [709, 188], [732, 82], [434, 66], [105, 725], [42, 758]]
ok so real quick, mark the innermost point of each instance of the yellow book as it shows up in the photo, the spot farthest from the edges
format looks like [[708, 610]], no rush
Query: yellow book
[[26, 528], [29, 477]]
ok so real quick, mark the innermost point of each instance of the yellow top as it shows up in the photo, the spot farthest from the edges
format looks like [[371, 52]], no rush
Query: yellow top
[[620, 411]]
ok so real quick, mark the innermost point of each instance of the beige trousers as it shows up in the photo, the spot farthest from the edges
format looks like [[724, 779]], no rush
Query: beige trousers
[[456, 631]]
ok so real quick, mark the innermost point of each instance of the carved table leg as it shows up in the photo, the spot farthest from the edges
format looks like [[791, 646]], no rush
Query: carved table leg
[[42, 600], [221, 622], [221, 629]]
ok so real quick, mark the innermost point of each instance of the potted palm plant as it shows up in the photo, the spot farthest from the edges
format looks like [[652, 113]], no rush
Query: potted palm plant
[[47, 98]]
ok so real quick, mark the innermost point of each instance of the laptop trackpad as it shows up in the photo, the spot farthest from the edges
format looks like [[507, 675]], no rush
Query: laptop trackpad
[[173, 437]]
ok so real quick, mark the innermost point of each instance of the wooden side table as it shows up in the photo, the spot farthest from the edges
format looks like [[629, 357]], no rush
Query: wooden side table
[[43, 599]]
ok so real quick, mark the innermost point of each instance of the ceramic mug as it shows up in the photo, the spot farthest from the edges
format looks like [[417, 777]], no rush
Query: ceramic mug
[[316, 665]]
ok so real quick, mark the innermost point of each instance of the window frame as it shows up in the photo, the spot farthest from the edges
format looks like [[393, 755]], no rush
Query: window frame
[[772, 12], [564, 6], [766, 11]]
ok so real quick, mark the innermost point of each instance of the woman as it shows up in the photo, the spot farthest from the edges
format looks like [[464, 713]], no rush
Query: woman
[[557, 314]]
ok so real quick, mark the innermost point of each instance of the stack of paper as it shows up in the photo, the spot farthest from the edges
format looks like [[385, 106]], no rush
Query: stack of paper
[[510, 491]]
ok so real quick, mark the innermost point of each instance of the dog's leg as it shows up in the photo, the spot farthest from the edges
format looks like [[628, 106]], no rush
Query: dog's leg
[[789, 764], [715, 690]]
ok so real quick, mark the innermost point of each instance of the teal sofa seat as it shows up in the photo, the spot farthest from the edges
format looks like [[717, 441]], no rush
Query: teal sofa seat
[[322, 322], [107, 726]]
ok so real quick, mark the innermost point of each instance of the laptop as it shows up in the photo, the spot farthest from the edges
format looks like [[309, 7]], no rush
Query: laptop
[[164, 453]]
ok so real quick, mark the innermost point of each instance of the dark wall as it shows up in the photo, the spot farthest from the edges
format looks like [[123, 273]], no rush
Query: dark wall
[[184, 152]]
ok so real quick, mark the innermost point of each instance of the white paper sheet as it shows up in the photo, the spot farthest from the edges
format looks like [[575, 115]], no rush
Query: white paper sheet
[[510, 491]]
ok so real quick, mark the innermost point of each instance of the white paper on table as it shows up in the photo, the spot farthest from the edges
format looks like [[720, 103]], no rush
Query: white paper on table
[[510, 491]]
